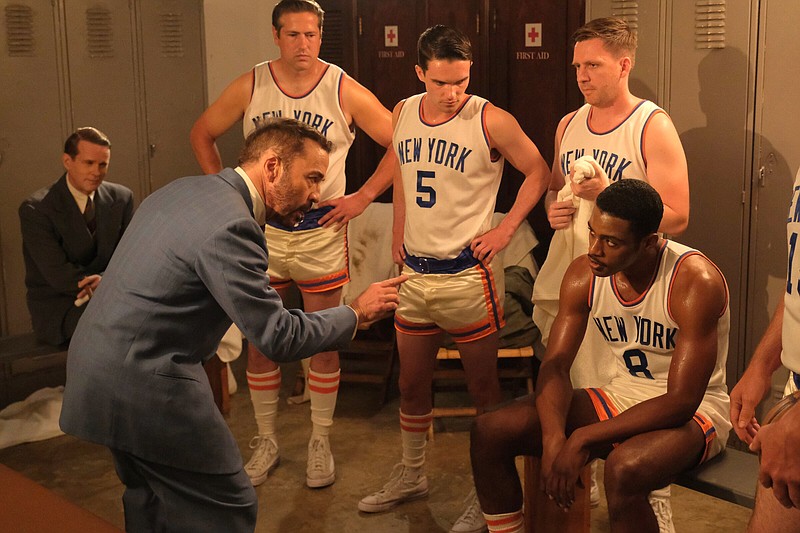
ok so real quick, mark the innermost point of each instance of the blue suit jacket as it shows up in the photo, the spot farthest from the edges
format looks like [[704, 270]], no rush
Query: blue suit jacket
[[59, 251], [192, 257]]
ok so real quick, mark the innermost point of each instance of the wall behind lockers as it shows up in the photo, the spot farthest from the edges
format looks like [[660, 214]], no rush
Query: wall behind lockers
[[720, 68], [132, 68]]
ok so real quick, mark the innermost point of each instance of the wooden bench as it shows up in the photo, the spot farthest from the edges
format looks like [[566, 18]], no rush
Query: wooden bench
[[523, 371], [26, 365], [29, 507]]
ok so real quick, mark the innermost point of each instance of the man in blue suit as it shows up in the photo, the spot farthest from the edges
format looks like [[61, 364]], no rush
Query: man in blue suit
[[194, 259], [69, 231]]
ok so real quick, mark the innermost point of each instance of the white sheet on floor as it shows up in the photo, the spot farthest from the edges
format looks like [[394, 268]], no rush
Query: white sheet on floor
[[34, 418]]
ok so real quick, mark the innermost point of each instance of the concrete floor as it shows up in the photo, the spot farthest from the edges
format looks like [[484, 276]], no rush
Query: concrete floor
[[366, 445]]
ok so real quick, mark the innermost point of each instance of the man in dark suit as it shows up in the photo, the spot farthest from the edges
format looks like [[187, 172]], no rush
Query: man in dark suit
[[69, 231], [194, 259]]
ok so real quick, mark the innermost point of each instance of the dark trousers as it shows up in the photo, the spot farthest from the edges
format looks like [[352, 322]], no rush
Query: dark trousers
[[161, 498]]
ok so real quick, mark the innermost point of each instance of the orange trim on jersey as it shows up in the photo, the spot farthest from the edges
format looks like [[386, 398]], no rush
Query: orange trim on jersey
[[709, 432], [678, 263], [492, 302], [642, 296], [454, 115], [644, 133], [494, 155], [297, 97], [415, 328]]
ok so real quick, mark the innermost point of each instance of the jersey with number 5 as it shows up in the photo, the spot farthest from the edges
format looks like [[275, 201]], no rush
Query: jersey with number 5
[[642, 334], [450, 177]]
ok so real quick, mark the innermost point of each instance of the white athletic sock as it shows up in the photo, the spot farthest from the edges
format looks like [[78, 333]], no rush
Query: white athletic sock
[[264, 389], [414, 433], [505, 522], [323, 390]]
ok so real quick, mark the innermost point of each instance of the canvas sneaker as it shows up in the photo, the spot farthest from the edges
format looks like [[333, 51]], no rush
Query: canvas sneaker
[[659, 501], [471, 520], [320, 471], [405, 484], [264, 460]]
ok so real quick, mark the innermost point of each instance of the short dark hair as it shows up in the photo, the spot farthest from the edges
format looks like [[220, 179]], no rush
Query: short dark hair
[[284, 135], [88, 134], [635, 201], [442, 42], [616, 35], [295, 6]]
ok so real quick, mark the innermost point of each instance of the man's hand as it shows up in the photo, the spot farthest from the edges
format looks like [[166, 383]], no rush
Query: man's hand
[[87, 287], [565, 472], [344, 209], [590, 188], [780, 462], [378, 301], [745, 397], [485, 247], [560, 214]]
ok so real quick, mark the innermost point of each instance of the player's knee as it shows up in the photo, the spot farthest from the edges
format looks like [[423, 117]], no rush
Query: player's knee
[[623, 474]]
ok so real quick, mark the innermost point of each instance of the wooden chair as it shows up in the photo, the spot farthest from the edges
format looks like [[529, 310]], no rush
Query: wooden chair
[[542, 515]]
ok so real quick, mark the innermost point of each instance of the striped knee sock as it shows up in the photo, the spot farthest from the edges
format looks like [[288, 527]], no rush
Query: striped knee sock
[[323, 390], [505, 522], [414, 433], [264, 389]]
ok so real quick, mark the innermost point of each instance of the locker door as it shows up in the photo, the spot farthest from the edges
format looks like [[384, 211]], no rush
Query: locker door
[[776, 160], [174, 84], [102, 81], [709, 98], [466, 17], [34, 126]]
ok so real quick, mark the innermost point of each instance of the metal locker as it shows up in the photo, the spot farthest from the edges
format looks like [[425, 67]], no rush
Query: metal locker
[[103, 84], [32, 115], [174, 84]]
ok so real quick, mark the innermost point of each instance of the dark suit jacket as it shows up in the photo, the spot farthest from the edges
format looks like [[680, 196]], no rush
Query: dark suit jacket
[[192, 257], [59, 251]]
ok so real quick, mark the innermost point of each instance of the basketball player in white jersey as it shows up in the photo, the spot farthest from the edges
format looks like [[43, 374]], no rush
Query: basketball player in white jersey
[[662, 308], [450, 147], [778, 494], [313, 254], [630, 138]]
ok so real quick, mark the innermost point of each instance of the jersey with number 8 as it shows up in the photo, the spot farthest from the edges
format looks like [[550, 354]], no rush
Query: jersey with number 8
[[450, 178], [642, 334]]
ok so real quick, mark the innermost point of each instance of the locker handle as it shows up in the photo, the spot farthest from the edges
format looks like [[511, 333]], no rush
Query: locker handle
[[152, 150]]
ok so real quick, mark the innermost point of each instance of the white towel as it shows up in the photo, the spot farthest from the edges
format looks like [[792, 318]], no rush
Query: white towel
[[567, 245], [32, 419]]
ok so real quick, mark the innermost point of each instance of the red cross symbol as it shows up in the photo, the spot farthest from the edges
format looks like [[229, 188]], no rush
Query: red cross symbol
[[391, 36], [533, 34]]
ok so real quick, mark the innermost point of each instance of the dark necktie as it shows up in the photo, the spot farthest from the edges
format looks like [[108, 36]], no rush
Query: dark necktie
[[89, 215]]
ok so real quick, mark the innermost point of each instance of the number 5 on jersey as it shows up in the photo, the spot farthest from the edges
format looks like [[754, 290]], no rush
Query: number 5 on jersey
[[426, 194]]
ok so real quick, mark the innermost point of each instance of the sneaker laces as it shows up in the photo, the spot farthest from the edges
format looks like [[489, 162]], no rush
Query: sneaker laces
[[319, 455], [261, 445], [395, 480], [474, 513]]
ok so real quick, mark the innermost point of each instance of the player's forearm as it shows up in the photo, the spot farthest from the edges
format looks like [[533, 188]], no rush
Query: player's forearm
[[381, 179], [528, 196], [205, 150], [767, 355], [553, 398], [673, 222]]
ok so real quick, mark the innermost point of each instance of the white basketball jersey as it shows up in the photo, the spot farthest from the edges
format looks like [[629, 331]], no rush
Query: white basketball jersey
[[320, 108], [791, 313], [450, 178], [619, 151], [642, 334]]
